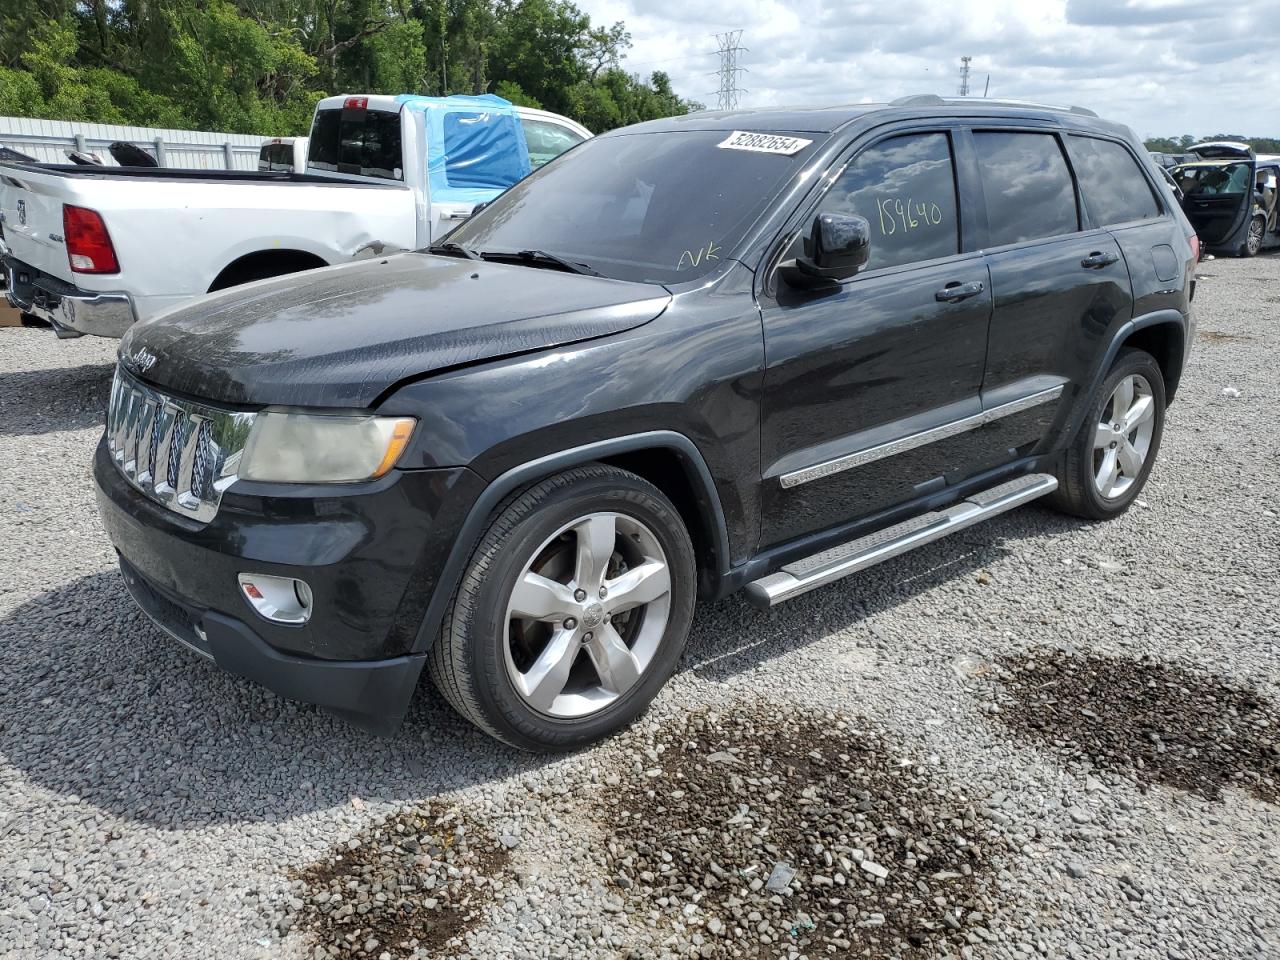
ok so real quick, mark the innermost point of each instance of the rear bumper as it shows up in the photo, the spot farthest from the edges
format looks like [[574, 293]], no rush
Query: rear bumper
[[71, 311]]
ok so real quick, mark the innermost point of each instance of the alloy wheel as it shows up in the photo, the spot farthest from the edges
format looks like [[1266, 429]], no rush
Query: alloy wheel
[[586, 615], [1256, 229], [1122, 438]]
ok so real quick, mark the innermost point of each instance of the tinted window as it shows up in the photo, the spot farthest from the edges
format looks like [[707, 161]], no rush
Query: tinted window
[[1115, 191], [361, 142], [661, 207], [547, 140], [906, 189], [1027, 185]]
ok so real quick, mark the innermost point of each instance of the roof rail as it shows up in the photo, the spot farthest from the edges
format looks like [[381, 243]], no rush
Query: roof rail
[[918, 100], [933, 100]]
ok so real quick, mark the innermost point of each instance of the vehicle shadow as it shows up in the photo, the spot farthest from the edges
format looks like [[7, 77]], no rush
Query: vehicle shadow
[[717, 653], [98, 703], [61, 398]]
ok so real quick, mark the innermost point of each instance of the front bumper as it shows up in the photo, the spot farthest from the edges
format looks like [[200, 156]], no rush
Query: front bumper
[[371, 555], [71, 311]]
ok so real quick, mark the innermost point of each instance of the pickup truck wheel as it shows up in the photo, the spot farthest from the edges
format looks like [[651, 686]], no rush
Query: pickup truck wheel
[[1111, 457], [572, 613]]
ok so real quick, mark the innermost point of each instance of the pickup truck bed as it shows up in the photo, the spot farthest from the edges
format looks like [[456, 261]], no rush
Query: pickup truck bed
[[176, 233]]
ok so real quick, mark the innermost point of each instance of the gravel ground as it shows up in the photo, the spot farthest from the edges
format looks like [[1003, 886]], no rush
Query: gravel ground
[[1037, 738]]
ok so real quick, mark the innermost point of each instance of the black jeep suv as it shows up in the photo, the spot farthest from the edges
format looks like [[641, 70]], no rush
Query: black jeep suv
[[757, 350]]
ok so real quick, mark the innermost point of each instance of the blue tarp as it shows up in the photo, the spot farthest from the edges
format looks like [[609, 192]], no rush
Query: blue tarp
[[475, 146]]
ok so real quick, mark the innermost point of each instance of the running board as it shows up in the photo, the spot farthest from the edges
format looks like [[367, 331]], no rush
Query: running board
[[831, 565]]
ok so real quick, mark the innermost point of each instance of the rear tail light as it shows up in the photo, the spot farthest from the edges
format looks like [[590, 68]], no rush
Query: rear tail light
[[1195, 247], [88, 244], [356, 103]]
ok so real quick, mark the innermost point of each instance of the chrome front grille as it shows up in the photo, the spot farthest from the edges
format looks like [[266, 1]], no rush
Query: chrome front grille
[[179, 453]]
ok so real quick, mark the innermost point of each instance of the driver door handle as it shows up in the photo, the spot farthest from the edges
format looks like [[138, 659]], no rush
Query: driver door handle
[[955, 291], [1096, 260]]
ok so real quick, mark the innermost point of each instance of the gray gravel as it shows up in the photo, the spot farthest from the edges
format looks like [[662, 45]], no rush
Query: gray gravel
[[151, 806]]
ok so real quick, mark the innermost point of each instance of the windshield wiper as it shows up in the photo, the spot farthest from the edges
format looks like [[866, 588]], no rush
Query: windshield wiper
[[451, 249], [541, 258]]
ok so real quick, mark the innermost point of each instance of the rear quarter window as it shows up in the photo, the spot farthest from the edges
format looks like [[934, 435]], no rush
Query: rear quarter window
[[1028, 188], [1114, 188]]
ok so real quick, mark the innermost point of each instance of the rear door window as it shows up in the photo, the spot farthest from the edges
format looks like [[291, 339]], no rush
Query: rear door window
[[365, 143], [1114, 188], [1028, 186], [905, 187]]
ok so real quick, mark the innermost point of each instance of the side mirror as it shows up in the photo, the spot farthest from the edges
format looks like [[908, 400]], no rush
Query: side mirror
[[837, 247]]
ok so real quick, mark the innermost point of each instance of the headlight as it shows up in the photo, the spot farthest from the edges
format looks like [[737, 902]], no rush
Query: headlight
[[310, 448]]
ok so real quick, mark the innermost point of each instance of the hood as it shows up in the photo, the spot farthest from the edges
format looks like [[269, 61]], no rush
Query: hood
[[341, 336]]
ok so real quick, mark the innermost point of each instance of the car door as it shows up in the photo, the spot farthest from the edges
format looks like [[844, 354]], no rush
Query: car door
[[866, 382], [1057, 289], [1120, 197]]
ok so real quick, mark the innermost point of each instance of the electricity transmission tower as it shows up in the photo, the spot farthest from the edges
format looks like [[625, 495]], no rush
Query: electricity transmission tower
[[729, 48], [964, 76]]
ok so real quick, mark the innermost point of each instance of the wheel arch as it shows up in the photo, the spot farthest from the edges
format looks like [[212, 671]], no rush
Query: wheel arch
[[1164, 340], [252, 265], [1163, 334], [667, 459]]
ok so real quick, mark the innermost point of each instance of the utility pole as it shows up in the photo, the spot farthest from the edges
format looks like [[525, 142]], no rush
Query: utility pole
[[964, 76], [729, 47]]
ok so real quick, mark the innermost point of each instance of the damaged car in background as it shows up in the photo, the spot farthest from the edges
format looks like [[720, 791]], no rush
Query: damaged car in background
[[92, 249], [1230, 197]]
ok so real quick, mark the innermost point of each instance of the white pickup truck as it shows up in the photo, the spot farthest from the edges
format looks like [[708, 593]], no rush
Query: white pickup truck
[[92, 250]]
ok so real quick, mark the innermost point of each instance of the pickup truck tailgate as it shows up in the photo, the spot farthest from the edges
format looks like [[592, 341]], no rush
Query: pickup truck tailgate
[[32, 208]]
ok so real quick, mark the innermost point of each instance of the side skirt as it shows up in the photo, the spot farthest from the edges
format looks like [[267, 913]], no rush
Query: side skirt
[[840, 561]]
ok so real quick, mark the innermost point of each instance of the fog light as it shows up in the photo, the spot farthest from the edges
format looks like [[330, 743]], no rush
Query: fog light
[[279, 599]]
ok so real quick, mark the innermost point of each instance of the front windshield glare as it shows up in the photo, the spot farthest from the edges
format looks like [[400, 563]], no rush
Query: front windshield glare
[[657, 207]]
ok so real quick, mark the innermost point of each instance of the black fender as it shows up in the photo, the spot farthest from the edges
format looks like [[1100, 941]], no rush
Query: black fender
[[477, 518], [1169, 317]]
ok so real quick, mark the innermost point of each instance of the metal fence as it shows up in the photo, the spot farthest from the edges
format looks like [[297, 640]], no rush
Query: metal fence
[[49, 140]]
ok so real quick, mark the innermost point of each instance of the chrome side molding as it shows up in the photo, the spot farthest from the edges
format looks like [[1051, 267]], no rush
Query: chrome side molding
[[894, 447], [831, 565]]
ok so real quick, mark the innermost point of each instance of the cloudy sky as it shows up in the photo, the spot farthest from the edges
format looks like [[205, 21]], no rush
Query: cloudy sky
[[1165, 67]]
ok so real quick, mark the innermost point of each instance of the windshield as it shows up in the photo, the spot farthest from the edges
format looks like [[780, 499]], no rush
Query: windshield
[[1199, 181], [656, 207]]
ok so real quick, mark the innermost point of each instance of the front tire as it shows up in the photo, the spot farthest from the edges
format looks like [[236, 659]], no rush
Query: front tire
[[1111, 457], [572, 613]]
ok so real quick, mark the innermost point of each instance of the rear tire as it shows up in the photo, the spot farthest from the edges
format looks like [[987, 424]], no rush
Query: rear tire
[[1105, 468], [1253, 241], [607, 579]]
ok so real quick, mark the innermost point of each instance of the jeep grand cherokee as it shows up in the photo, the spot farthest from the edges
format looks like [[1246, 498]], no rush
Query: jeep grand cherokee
[[756, 351]]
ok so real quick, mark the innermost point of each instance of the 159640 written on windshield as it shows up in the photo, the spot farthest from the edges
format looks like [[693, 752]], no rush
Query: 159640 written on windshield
[[898, 214]]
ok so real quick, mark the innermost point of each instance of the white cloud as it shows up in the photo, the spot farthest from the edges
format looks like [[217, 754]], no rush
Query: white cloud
[[1165, 67]]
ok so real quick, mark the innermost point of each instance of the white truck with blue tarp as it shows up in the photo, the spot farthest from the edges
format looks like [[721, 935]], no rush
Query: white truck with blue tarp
[[93, 250]]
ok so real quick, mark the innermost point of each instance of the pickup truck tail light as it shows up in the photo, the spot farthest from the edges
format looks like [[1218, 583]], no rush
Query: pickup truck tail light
[[89, 245]]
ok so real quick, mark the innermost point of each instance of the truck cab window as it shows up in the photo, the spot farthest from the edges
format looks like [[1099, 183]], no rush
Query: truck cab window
[[547, 140], [364, 143]]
